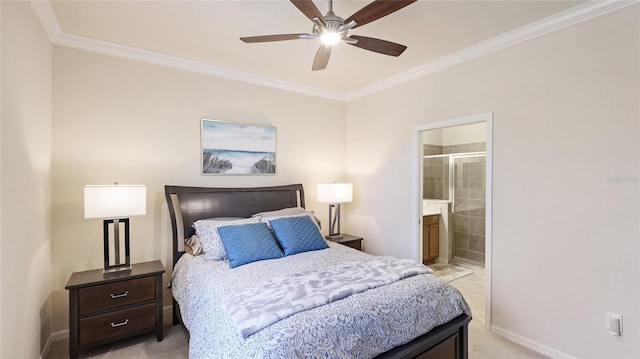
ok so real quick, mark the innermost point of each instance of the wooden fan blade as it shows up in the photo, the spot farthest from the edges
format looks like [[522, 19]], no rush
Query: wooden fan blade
[[379, 46], [268, 38], [308, 8], [376, 10], [322, 58]]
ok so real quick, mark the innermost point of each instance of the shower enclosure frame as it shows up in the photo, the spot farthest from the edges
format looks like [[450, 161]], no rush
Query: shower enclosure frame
[[451, 198]]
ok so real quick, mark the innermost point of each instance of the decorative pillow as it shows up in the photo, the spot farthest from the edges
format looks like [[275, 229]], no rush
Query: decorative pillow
[[207, 231], [248, 243], [298, 234], [193, 245]]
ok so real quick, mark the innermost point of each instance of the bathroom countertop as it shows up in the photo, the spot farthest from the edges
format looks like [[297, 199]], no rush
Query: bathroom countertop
[[430, 212]]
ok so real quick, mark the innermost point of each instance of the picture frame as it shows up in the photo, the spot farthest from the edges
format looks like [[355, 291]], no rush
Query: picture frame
[[237, 149]]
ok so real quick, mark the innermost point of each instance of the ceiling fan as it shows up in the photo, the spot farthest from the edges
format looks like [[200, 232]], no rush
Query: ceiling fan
[[331, 29]]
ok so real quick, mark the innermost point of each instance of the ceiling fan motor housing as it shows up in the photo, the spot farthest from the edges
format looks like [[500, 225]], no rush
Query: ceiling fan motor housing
[[333, 22]]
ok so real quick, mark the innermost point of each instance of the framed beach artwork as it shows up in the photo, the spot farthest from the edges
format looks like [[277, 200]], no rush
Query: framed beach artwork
[[237, 149]]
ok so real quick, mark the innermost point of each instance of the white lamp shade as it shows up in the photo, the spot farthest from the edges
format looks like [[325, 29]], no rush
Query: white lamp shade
[[114, 201], [335, 192]]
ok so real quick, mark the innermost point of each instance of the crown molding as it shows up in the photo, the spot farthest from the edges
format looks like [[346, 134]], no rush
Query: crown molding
[[524, 33], [48, 19], [571, 16], [133, 53]]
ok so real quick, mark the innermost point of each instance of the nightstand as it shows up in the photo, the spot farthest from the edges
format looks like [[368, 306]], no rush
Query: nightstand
[[349, 241], [105, 309]]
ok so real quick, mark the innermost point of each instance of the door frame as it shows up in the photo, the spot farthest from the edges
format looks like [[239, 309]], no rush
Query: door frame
[[417, 191]]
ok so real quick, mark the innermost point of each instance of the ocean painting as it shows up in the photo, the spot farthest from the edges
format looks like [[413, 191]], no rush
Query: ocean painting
[[236, 149]]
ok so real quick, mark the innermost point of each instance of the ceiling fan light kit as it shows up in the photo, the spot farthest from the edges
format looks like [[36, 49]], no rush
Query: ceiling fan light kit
[[330, 38], [332, 29]]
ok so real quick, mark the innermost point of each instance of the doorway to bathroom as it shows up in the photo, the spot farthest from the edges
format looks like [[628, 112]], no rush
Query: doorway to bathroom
[[453, 184]]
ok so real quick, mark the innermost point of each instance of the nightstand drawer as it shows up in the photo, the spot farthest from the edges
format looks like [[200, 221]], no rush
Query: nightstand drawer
[[104, 326], [108, 296], [109, 308]]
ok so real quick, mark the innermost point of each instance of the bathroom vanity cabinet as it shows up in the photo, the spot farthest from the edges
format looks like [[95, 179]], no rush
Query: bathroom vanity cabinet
[[430, 237]]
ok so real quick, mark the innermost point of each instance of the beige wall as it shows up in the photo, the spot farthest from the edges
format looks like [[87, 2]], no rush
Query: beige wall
[[131, 122], [25, 151], [565, 122], [565, 179], [1, 115], [471, 133], [456, 135]]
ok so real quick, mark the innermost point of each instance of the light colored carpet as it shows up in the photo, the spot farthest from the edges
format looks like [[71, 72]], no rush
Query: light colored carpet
[[449, 272], [482, 343]]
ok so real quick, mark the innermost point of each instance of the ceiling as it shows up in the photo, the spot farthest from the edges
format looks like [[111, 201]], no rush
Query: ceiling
[[207, 32]]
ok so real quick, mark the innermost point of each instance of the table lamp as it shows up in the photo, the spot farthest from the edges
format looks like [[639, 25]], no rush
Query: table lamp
[[114, 202], [334, 194]]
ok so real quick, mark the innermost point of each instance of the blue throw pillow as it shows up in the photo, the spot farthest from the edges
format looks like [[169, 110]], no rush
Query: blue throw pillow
[[248, 243], [298, 234]]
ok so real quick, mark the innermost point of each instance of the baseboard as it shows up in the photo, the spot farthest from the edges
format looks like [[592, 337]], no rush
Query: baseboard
[[59, 335], [64, 334], [531, 344]]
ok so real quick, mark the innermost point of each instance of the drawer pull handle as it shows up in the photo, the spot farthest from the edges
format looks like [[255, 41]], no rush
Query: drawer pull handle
[[116, 296], [115, 325]]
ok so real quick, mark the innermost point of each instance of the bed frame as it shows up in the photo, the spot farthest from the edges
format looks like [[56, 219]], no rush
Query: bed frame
[[189, 204]]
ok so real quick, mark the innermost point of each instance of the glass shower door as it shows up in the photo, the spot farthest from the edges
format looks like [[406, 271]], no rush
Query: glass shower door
[[468, 208]]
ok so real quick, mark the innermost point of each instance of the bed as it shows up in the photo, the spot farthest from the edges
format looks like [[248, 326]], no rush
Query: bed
[[415, 316]]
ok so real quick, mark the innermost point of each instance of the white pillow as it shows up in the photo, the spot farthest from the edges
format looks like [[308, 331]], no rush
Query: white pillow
[[207, 231], [265, 217], [282, 212]]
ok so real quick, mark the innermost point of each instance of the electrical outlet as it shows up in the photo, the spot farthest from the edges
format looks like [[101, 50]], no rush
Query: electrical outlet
[[614, 323]]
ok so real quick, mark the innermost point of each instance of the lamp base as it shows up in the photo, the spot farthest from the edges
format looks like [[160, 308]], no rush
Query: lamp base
[[334, 221], [116, 266], [115, 270]]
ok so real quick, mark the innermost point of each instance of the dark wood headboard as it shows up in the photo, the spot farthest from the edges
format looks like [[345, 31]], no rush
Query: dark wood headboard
[[196, 203]]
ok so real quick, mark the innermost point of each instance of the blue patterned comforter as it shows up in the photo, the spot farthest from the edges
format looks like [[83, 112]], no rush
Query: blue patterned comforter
[[361, 325]]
